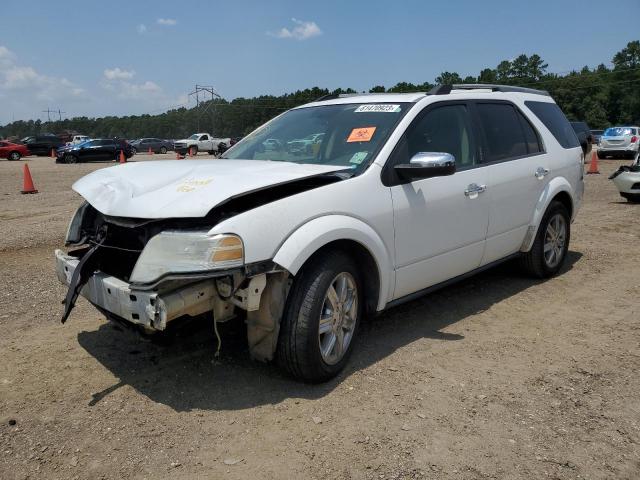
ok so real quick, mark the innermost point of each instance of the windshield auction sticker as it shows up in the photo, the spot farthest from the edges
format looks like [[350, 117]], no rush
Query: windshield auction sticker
[[377, 108], [363, 134]]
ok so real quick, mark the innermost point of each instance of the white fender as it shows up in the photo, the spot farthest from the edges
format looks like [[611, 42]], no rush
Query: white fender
[[320, 231], [555, 186]]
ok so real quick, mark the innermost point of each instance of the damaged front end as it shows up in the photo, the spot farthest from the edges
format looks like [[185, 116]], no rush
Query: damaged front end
[[151, 272]]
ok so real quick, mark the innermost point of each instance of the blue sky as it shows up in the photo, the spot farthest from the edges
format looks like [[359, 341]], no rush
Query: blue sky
[[130, 57]]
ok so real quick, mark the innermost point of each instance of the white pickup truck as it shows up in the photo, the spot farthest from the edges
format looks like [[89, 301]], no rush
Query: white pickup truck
[[202, 142]]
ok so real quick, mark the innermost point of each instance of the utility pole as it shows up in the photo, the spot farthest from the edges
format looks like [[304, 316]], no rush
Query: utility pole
[[48, 111], [204, 91]]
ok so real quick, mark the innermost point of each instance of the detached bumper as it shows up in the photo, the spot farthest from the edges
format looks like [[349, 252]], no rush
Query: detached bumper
[[148, 308], [628, 182]]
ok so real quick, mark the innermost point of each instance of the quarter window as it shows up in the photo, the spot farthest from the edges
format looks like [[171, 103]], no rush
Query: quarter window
[[553, 118]]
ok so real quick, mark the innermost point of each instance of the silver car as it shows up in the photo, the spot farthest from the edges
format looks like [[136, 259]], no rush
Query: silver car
[[619, 142]]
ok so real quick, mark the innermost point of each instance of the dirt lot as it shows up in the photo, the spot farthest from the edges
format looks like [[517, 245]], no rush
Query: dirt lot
[[497, 377]]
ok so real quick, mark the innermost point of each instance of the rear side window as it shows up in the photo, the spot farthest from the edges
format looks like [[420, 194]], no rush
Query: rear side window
[[553, 118], [503, 133], [534, 145]]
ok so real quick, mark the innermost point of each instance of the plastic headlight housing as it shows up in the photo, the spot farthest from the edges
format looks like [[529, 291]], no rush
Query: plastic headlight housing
[[73, 235], [183, 252]]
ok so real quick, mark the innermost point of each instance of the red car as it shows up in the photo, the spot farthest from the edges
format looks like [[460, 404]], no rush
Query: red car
[[13, 151]]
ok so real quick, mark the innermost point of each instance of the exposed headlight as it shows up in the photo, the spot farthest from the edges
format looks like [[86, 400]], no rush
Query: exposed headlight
[[187, 252], [73, 235]]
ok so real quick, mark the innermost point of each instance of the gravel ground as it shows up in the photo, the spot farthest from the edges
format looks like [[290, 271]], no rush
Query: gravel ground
[[496, 377]]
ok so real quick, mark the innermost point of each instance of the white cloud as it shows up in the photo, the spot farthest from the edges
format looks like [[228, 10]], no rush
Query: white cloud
[[301, 31], [142, 29], [118, 74], [19, 81], [167, 22]]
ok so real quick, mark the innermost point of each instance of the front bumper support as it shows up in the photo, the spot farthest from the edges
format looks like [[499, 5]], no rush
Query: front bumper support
[[143, 307]]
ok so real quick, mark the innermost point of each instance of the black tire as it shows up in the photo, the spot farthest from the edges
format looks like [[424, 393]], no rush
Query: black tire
[[68, 158], [534, 261], [133, 151], [163, 150], [193, 150], [298, 350], [14, 156], [601, 155], [631, 197]]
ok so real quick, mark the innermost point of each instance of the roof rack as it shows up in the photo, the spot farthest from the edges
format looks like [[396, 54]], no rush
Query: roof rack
[[497, 88], [333, 96]]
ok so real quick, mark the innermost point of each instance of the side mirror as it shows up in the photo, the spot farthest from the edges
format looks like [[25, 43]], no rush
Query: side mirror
[[427, 165]]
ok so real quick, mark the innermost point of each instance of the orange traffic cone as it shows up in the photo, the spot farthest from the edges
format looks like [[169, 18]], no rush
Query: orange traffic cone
[[150, 151], [593, 166], [53, 153], [123, 159], [27, 186]]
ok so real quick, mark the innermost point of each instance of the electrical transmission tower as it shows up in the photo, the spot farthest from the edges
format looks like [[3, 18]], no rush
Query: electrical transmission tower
[[48, 111], [203, 91]]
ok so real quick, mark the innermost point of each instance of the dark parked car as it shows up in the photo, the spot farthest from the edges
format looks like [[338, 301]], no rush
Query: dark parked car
[[596, 136], [13, 151], [157, 145], [98, 149], [42, 144], [584, 135]]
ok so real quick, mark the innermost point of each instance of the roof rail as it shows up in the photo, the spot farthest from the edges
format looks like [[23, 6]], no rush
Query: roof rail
[[440, 90], [333, 96], [499, 88]]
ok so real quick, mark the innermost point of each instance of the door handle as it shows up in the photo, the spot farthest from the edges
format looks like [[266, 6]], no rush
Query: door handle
[[541, 173], [474, 189]]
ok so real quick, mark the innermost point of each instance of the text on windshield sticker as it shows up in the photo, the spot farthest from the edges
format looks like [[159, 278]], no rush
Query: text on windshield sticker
[[375, 107]]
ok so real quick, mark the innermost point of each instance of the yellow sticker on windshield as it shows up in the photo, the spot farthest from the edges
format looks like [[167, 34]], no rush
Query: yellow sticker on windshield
[[363, 134]]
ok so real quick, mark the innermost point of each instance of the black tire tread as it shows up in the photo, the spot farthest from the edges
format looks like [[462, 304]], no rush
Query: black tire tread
[[532, 261], [293, 351]]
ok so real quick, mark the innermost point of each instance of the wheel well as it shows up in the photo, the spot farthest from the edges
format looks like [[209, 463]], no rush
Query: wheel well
[[366, 264], [565, 199]]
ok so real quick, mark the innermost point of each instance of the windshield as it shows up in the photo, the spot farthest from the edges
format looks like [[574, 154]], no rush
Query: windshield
[[617, 131], [194, 137], [347, 135]]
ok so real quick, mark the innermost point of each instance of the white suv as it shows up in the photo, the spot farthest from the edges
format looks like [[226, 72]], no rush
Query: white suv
[[404, 193]]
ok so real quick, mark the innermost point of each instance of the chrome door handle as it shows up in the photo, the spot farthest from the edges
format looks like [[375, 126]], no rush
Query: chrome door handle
[[541, 173], [474, 189]]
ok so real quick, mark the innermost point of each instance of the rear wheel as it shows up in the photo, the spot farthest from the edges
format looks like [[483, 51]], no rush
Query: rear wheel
[[163, 150], [550, 247], [15, 156], [133, 151], [321, 318]]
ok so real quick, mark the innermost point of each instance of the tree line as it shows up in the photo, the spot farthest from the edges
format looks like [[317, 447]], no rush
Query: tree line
[[601, 96]]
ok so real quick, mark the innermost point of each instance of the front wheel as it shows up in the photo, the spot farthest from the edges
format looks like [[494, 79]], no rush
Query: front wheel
[[163, 150], [68, 158], [550, 247], [133, 151], [15, 156], [321, 318]]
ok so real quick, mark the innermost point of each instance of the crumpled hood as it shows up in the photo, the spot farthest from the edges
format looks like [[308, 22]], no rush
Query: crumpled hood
[[184, 188]]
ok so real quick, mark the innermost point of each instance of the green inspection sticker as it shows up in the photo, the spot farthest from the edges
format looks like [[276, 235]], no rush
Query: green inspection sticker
[[358, 157]]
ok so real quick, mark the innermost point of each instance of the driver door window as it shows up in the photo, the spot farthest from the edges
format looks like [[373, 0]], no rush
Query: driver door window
[[442, 129]]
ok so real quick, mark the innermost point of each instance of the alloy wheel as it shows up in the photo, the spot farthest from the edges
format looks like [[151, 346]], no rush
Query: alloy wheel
[[338, 318], [555, 238]]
